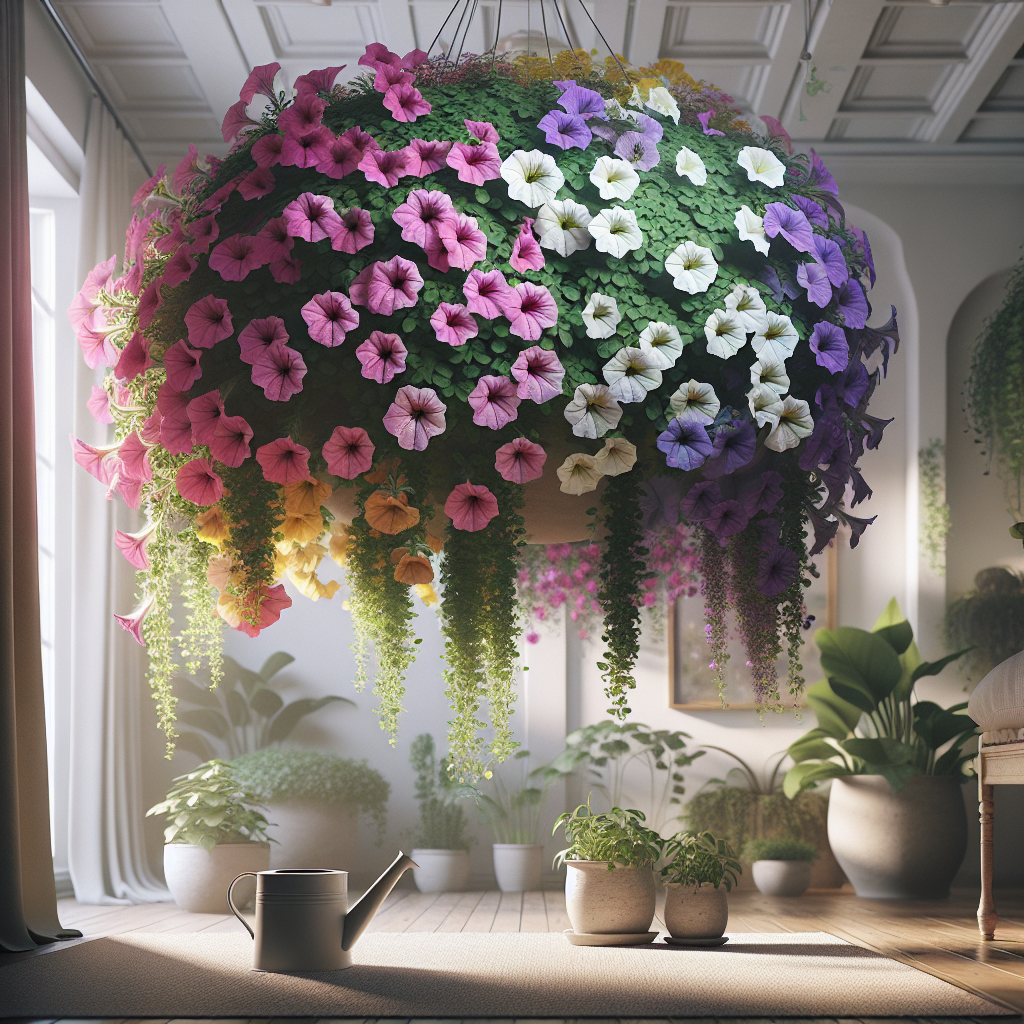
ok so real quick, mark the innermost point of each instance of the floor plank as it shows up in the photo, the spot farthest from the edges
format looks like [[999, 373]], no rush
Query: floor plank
[[483, 914]]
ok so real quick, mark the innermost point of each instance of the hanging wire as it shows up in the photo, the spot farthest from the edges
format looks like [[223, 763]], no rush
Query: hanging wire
[[443, 23], [465, 35], [805, 56], [568, 38], [608, 47], [497, 35], [547, 38], [458, 29]]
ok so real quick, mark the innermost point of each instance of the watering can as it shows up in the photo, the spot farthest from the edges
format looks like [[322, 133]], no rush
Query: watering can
[[303, 921]]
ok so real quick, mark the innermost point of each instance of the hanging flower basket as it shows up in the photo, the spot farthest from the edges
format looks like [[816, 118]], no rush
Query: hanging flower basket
[[400, 298]]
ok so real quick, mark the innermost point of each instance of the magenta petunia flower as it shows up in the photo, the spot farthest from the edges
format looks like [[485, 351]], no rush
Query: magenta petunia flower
[[330, 317], [305, 115], [204, 413], [426, 157], [475, 164], [393, 285], [287, 270], [830, 347], [279, 371], [486, 293], [565, 130], [179, 268], [539, 374], [465, 243], [387, 75], [780, 219], [415, 416], [182, 365], [189, 168], [266, 150], [236, 121], [437, 254], [349, 452], [363, 141], [259, 335], [230, 443], [260, 80], [453, 324], [236, 256], [284, 462], [814, 277], [317, 81], [149, 302], [342, 158], [204, 233], [704, 119], [422, 212], [520, 461], [470, 507], [175, 426], [311, 217], [384, 166], [359, 289], [257, 183], [378, 52], [208, 321], [530, 309], [355, 233], [406, 102], [382, 356], [198, 482], [494, 401], [134, 358], [526, 251], [482, 130], [217, 200], [306, 150]]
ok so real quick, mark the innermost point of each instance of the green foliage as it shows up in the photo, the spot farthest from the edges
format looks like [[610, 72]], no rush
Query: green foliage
[[209, 807], [778, 849], [931, 462], [989, 619], [698, 858], [513, 812], [442, 824], [618, 837]]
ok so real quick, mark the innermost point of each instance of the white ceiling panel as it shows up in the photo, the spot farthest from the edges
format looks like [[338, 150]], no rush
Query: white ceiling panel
[[140, 82], [1008, 92], [167, 126], [104, 28], [903, 127], [900, 85], [919, 30], [730, 30], [995, 128]]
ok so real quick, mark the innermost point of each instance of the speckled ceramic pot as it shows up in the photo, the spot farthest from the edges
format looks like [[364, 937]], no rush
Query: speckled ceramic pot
[[603, 902], [782, 877], [696, 911]]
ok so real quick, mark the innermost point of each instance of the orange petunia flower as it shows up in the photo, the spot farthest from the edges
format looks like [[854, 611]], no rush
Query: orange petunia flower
[[339, 542], [306, 496], [390, 514], [212, 527], [414, 569], [299, 529]]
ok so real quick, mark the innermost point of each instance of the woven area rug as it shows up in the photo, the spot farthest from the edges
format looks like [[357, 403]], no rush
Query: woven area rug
[[418, 974]]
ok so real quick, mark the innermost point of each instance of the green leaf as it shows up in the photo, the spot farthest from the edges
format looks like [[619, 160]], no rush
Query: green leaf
[[836, 717], [891, 616], [238, 709], [899, 636], [185, 689], [804, 776], [194, 744], [936, 725], [881, 752], [274, 664], [206, 719], [933, 668], [292, 714], [862, 667], [812, 746], [235, 675], [266, 702]]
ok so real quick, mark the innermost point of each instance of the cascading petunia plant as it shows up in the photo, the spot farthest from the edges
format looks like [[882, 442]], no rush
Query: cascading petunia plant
[[361, 333]]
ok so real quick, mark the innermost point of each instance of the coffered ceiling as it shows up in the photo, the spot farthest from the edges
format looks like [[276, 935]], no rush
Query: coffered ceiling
[[929, 88]]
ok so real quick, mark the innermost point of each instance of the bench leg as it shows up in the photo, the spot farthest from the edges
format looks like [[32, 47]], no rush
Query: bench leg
[[987, 916]]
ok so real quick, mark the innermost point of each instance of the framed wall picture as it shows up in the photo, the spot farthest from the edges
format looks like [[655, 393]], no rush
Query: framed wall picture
[[692, 684]]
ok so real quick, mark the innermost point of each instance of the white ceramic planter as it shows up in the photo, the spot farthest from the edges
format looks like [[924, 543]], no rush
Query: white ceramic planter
[[311, 834], [782, 877], [696, 912], [603, 902], [518, 867], [199, 878], [441, 870]]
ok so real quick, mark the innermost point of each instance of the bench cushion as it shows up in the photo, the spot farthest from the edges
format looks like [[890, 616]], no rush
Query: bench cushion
[[998, 700]]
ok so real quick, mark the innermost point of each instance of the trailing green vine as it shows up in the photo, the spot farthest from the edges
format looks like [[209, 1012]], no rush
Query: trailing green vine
[[931, 463]]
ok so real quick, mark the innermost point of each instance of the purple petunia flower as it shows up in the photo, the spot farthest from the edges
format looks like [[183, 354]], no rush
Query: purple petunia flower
[[770, 276], [865, 248], [823, 442], [761, 494], [685, 443], [776, 571], [852, 385], [648, 127], [704, 119], [638, 150], [819, 176], [814, 277], [565, 130], [734, 446], [830, 347], [585, 102], [700, 500], [726, 519], [659, 502], [279, 371], [812, 210], [780, 219], [853, 304], [831, 257]]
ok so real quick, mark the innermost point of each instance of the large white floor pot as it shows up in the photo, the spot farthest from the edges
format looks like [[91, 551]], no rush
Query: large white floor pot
[[902, 845], [199, 878], [603, 902], [518, 867], [441, 870], [782, 877], [696, 911], [312, 834]]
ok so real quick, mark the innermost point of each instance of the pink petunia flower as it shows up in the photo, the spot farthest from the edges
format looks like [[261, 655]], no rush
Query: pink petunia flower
[[486, 292], [149, 302], [272, 601], [311, 217], [175, 426], [96, 346], [520, 461], [526, 251], [259, 335], [475, 164], [236, 121], [530, 310], [406, 102], [204, 413], [422, 212], [148, 187], [393, 285], [230, 443], [86, 303], [382, 356], [330, 317], [342, 158], [257, 183], [470, 507], [465, 243], [359, 289], [378, 52], [134, 456], [217, 200], [274, 240], [134, 622], [363, 141], [133, 545], [284, 462], [204, 232], [349, 452], [236, 256], [266, 150], [426, 157], [182, 365], [189, 168], [453, 324], [494, 401], [539, 373], [356, 231], [388, 75], [208, 321], [437, 254], [305, 115], [260, 80], [179, 268], [415, 416], [279, 371], [482, 130], [306, 150], [317, 81], [384, 166], [197, 481], [287, 270], [134, 358], [101, 462], [172, 242], [99, 405]]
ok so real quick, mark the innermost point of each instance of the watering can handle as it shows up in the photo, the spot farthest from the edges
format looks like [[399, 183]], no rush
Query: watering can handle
[[234, 909]]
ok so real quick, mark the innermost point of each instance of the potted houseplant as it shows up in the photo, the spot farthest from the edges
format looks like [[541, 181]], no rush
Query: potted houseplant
[[441, 846], [896, 819], [698, 874], [513, 815], [989, 619], [214, 833], [315, 800], [609, 881], [781, 867]]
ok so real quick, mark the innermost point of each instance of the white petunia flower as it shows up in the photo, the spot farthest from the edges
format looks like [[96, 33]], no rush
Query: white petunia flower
[[746, 302], [696, 398], [630, 374], [616, 457], [533, 178], [725, 334], [579, 474], [616, 232], [593, 411], [795, 423], [661, 101], [762, 165], [635, 99], [562, 226], [692, 267], [765, 404], [690, 164], [614, 178], [663, 343], [601, 316], [776, 337], [613, 108], [751, 229], [772, 372]]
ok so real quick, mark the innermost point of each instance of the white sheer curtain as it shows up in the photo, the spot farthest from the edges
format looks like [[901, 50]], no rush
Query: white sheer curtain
[[106, 849]]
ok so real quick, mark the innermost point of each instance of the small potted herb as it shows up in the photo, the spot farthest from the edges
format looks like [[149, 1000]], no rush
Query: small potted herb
[[609, 881], [781, 867], [214, 832], [699, 872]]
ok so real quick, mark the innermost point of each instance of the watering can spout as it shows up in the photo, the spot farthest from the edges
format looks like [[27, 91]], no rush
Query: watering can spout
[[369, 903]]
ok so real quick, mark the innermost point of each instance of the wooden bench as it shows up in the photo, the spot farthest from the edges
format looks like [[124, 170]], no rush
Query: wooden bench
[[997, 765]]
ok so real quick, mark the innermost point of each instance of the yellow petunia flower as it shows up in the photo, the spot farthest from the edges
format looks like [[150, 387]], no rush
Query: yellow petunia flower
[[299, 529], [426, 593], [212, 527]]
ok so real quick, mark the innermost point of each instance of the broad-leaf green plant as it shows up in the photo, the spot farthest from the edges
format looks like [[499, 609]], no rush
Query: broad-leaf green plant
[[617, 837], [442, 824], [698, 858], [513, 812]]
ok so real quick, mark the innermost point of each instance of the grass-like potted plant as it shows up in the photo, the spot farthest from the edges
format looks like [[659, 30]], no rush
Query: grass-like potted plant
[[698, 874], [214, 832], [441, 846], [609, 881], [315, 800], [781, 867]]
